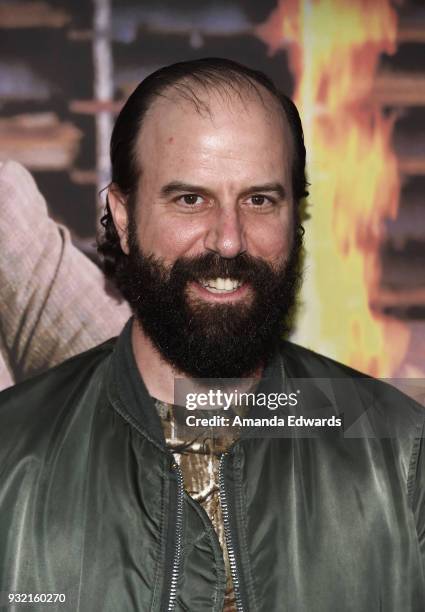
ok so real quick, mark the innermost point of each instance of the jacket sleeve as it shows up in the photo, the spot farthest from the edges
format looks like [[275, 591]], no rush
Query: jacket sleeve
[[418, 498], [54, 304]]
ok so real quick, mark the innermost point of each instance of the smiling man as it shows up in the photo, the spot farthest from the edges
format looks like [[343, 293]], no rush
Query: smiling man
[[101, 502], [208, 230]]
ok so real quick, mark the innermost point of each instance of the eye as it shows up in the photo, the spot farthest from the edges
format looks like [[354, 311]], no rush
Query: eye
[[260, 201], [190, 199]]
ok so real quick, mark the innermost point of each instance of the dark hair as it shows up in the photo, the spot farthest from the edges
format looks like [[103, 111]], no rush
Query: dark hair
[[208, 73]]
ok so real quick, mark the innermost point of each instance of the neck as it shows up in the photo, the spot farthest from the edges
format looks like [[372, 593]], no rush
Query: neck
[[158, 375]]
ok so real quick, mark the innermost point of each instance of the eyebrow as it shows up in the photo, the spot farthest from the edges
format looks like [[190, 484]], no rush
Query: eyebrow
[[179, 187], [266, 188]]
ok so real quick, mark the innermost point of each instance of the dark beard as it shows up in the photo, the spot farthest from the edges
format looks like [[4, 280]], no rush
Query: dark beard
[[211, 340]]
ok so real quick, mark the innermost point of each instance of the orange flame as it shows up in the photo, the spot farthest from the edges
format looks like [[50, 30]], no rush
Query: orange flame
[[334, 48]]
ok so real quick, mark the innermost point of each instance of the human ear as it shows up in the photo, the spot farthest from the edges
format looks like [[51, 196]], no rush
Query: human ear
[[118, 207]]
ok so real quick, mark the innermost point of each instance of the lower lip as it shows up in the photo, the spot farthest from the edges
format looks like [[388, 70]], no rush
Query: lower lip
[[225, 296]]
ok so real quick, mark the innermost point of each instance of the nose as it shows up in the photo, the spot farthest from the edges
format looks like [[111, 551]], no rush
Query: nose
[[226, 235]]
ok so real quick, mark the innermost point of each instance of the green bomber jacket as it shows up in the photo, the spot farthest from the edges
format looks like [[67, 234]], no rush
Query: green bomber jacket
[[93, 507]]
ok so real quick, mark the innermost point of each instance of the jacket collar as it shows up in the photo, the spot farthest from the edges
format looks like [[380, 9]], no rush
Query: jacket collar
[[130, 397], [128, 392]]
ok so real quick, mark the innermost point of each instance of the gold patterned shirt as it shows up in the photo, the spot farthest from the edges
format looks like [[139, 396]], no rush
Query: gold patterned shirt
[[199, 462]]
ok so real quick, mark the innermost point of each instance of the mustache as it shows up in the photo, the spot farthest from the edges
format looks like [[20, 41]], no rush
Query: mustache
[[243, 267]]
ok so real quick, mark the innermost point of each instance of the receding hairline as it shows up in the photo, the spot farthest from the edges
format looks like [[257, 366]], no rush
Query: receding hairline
[[197, 89], [199, 92]]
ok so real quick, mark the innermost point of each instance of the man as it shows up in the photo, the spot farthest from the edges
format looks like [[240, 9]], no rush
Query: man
[[98, 503]]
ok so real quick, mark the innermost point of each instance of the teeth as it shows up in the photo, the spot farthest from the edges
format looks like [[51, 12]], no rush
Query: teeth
[[221, 284]]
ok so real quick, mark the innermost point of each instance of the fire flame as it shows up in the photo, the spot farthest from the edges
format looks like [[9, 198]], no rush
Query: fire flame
[[334, 48]]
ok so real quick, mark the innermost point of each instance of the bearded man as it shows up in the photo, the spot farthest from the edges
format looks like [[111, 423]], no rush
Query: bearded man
[[100, 502]]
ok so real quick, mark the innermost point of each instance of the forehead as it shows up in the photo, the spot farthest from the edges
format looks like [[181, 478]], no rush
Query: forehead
[[214, 135]]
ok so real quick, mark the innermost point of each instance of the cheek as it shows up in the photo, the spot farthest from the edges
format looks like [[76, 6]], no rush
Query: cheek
[[271, 240], [170, 238]]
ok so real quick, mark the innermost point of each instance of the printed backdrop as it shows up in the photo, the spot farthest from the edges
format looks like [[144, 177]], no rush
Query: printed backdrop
[[356, 71]]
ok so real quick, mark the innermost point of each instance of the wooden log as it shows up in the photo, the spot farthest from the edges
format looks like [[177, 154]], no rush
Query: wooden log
[[83, 177], [411, 165], [387, 298], [35, 14], [399, 89], [411, 28], [92, 107], [39, 141]]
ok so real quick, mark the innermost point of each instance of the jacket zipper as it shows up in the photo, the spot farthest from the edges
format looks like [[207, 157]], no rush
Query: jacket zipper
[[229, 544], [178, 549]]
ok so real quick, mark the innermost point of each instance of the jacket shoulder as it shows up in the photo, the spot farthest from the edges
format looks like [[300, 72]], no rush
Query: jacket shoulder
[[52, 389], [306, 361], [381, 399]]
